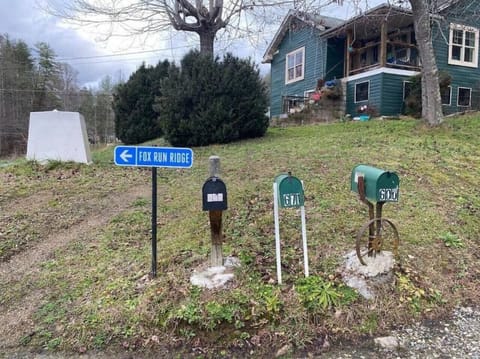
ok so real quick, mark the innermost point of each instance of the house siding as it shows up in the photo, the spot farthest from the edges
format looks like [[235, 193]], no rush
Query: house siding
[[392, 103], [462, 76], [374, 95], [324, 59], [315, 57], [385, 94]]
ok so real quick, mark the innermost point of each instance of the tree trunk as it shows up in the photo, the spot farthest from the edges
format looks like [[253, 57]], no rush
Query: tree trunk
[[431, 99], [207, 38]]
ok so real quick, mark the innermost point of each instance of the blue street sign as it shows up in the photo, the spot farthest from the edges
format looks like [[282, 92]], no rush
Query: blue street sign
[[142, 156]]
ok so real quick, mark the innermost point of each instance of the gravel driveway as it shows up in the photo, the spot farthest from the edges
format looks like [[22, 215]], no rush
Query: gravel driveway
[[457, 337]]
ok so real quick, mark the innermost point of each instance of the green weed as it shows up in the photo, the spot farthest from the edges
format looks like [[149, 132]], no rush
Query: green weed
[[316, 294], [54, 343], [451, 240], [140, 202], [369, 324]]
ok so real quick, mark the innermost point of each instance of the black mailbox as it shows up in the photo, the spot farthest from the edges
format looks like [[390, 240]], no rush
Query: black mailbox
[[214, 194]]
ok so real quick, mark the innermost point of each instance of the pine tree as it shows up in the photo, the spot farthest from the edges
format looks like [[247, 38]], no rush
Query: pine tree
[[47, 94], [16, 71], [211, 101], [135, 119]]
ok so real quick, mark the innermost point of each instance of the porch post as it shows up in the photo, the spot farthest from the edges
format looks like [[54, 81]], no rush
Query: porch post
[[348, 54], [383, 44]]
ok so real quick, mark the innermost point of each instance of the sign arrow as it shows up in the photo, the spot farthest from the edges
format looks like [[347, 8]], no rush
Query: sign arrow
[[125, 155]]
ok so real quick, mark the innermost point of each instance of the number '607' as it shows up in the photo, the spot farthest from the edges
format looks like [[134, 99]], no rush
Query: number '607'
[[388, 194]]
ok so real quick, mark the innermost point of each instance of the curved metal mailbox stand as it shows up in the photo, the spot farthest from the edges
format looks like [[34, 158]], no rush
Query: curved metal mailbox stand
[[375, 185]]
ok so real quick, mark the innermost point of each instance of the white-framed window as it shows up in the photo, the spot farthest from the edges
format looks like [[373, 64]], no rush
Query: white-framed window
[[464, 97], [362, 90], [463, 45], [407, 88], [295, 66], [446, 94], [307, 94], [292, 104]]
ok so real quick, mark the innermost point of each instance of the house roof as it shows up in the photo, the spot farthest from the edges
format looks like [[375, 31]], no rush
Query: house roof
[[368, 22], [362, 25], [444, 4], [317, 21]]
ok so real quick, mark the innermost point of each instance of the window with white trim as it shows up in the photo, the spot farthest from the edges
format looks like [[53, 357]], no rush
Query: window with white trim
[[307, 94], [463, 45], [464, 97], [362, 90], [295, 66], [446, 95]]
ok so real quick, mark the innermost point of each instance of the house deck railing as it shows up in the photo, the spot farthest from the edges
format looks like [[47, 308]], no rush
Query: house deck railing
[[377, 64], [386, 49]]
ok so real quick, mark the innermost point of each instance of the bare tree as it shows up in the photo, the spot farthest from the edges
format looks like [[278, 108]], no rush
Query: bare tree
[[426, 15], [431, 100], [67, 85], [429, 18], [203, 17]]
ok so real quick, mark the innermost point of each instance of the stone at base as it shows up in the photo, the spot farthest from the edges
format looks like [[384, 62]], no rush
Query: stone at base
[[364, 277], [382, 263], [389, 343], [212, 277]]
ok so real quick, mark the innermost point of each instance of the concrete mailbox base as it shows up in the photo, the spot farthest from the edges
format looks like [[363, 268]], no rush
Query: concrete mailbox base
[[215, 277], [212, 277], [364, 278]]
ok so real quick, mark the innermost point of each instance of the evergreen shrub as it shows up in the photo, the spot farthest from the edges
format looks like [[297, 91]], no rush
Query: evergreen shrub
[[135, 119], [206, 101]]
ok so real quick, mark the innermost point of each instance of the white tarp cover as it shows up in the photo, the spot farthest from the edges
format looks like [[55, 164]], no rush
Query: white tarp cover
[[58, 136]]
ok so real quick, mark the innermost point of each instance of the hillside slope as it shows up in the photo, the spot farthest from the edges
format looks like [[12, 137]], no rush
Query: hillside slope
[[75, 244]]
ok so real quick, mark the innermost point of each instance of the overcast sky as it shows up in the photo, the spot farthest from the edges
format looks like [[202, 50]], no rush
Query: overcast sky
[[91, 56]]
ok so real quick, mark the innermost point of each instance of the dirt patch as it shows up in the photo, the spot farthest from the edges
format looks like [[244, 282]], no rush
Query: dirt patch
[[35, 201], [17, 319]]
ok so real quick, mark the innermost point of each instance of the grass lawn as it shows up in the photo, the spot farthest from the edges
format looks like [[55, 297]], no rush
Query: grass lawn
[[93, 292]]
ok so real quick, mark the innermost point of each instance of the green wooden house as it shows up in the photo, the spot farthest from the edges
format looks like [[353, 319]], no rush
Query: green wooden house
[[372, 58]]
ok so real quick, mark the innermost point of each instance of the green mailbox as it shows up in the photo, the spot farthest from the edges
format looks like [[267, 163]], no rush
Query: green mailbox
[[290, 191], [380, 185]]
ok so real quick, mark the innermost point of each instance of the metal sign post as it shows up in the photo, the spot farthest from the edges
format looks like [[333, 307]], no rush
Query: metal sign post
[[143, 156], [154, 222], [277, 233], [304, 240]]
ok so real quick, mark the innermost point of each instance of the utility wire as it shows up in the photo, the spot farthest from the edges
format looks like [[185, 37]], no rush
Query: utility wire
[[121, 54]]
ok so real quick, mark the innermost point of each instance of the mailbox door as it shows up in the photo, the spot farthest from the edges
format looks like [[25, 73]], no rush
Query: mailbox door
[[214, 195], [290, 191], [387, 189]]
